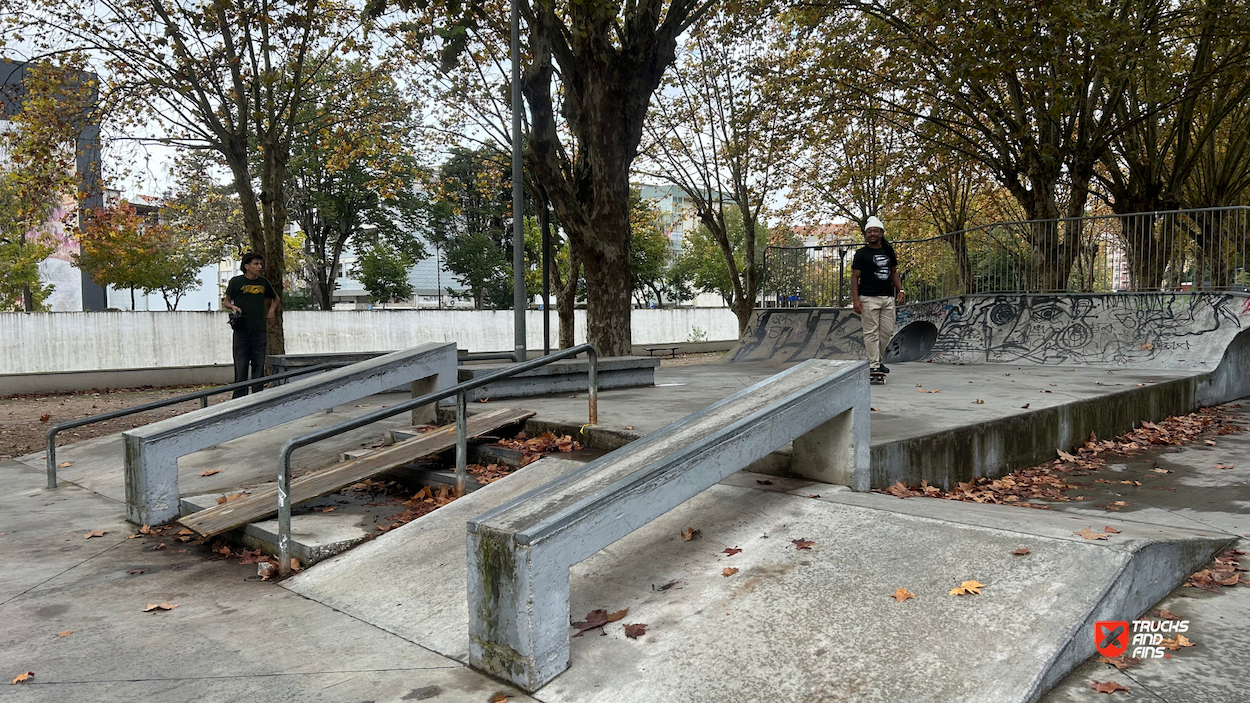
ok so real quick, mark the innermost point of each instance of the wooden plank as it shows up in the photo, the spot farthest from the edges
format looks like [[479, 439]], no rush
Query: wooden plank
[[264, 502]]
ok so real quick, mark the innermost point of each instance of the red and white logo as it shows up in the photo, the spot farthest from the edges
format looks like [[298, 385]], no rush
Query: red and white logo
[[1111, 637]]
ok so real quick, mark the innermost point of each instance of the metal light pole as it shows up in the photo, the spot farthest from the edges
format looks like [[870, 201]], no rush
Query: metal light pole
[[518, 194]]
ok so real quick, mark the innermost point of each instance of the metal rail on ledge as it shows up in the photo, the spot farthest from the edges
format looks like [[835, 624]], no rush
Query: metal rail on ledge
[[458, 390], [202, 395]]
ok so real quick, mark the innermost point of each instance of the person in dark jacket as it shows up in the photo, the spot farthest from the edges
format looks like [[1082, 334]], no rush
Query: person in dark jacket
[[252, 296], [875, 290]]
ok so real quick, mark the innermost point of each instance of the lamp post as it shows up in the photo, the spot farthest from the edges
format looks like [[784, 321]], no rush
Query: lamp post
[[518, 194]]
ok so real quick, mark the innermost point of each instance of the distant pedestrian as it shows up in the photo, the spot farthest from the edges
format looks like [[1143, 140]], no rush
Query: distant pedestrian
[[875, 289], [251, 296]]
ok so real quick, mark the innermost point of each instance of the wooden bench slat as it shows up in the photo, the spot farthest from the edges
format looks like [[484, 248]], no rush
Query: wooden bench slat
[[264, 502]]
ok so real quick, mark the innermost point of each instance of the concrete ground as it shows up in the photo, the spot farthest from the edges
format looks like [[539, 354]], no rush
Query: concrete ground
[[795, 625]]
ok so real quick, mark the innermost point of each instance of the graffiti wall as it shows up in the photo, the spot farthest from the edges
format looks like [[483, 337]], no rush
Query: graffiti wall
[[1179, 330]]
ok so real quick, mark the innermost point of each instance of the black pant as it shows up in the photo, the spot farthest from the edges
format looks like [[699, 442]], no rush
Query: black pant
[[249, 349]]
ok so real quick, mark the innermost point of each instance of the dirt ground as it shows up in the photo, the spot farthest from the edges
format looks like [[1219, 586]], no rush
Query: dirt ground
[[692, 359], [23, 428]]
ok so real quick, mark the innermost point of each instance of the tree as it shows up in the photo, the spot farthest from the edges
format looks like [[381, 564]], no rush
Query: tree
[[383, 270], [117, 249], [715, 132], [651, 251], [228, 77], [352, 174], [583, 136], [703, 261], [473, 210], [47, 110]]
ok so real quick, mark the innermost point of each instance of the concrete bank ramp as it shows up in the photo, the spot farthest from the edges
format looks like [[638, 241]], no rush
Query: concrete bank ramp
[[1178, 330], [795, 624]]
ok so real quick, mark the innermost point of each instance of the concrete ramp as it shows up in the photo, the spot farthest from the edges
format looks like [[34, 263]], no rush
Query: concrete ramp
[[796, 624], [1144, 330]]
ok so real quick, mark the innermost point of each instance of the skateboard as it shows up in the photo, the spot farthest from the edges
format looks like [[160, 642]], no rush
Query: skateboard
[[876, 378]]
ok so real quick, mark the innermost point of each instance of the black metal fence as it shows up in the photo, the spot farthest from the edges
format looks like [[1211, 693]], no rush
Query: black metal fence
[[1200, 249]]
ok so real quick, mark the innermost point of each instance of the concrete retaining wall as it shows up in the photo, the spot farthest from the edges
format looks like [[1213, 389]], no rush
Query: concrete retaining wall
[[61, 342]]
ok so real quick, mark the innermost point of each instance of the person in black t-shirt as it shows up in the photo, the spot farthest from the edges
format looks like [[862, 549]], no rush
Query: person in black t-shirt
[[875, 290], [252, 296]]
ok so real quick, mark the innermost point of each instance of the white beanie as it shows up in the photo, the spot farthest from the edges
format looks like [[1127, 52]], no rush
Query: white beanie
[[874, 222]]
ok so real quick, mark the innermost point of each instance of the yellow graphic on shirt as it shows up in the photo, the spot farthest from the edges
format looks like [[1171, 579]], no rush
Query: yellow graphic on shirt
[[252, 289]]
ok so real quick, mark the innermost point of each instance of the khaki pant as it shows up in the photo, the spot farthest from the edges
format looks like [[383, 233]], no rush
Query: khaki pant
[[878, 321]]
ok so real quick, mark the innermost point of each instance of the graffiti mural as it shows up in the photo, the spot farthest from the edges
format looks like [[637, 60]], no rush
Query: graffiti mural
[[1149, 330]]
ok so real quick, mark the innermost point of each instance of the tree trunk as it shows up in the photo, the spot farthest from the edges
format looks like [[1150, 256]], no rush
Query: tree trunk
[[566, 298], [609, 280], [28, 299]]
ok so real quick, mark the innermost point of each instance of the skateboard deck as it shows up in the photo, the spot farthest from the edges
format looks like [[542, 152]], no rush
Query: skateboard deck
[[876, 379]]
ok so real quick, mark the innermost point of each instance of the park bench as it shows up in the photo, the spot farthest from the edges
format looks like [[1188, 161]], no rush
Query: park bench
[[152, 451], [672, 351], [520, 553]]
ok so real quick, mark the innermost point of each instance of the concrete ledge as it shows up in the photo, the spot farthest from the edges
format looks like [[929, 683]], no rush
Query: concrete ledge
[[314, 536], [66, 381], [567, 376], [520, 553], [152, 451]]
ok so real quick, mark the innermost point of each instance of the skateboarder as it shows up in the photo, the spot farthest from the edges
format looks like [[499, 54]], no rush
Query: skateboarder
[[875, 289], [252, 296]]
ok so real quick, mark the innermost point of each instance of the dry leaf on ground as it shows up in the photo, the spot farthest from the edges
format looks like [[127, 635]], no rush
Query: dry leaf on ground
[[730, 551], [1175, 643], [688, 534], [45, 417], [64, 464], [1021, 551], [1111, 530], [635, 630], [164, 605], [764, 481], [94, 533], [802, 543], [210, 472], [1106, 686], [903, 594], [967, 588], [1123, 661], [22, 677], [596, 619], [728, 571], [67, 633], [1090, 534], [499, 697], [1223, 466]]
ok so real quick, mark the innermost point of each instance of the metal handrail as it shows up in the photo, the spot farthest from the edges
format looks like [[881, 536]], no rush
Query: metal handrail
[[202, 395], [458, 390]]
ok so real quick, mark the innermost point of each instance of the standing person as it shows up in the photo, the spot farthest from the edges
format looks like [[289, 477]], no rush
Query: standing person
[[252, 296], [875, 289]]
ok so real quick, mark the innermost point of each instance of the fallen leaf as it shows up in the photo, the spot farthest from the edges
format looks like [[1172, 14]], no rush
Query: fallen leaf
[[813, 495], [1065, 456], [730, 551], [728, 571], [1021, 551], [1147, 346], [635, 630], [1167, 614], [1024, 407], [1106, 686], [1160, 471], [163, 605], [629, 427], [1175, 643], [597, 619], [1090, 534], [875, 410], [499, 697], [1111, 530], [1223, 466], [94, 533], [295, 565], [802, 543], [980, 402], [134, 572], [1121, 662], [210, 472], [22, 677], [67, 633], [146, 529], [64, 464], [266, 570], [903, 594], [967, 588], [665, 587], [764, 481], [133, 536], [45, 417], [1209, 442], [688, 534]]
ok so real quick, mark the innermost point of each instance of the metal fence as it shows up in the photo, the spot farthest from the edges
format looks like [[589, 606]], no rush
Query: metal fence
[[1200, 249]]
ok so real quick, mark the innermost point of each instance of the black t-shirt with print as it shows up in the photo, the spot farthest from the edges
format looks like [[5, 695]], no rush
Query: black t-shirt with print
[[875, 266], [252, 296]]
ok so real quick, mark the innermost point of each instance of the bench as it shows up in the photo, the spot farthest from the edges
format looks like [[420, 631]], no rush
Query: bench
[[672, 351], [152, 451], [520, 553]]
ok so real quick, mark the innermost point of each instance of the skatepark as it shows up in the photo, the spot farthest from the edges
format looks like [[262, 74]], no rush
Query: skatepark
[[780, 445]]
